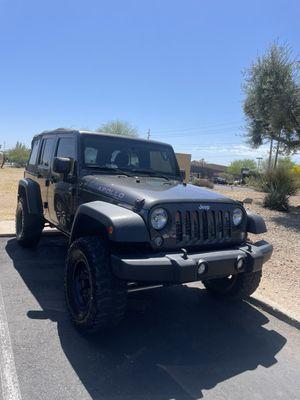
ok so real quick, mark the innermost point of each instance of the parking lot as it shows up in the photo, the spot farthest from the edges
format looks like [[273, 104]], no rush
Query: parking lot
[[175, 343]]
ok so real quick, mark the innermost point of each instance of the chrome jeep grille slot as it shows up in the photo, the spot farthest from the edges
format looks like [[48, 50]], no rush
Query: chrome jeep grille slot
[[202, 226]]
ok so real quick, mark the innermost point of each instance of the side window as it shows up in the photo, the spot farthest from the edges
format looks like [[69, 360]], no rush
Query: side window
[[46, 153], [34, 153], [66, 147]]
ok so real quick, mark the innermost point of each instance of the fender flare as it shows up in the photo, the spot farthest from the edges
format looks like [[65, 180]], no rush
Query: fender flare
[[120, 224], [33, 195], [255, 223]]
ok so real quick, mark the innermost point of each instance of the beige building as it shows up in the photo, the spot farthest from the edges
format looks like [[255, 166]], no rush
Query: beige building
[[184, 161]]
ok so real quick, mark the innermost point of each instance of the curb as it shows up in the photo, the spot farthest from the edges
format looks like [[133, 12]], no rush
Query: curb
[[272, 308], [7, 234]]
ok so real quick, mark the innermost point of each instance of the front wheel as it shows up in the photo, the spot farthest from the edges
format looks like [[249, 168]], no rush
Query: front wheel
[[234, 287], [96, 299]]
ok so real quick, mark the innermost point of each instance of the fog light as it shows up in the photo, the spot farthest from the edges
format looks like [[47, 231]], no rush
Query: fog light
[[240, 263], [202, 267], [158, 241]]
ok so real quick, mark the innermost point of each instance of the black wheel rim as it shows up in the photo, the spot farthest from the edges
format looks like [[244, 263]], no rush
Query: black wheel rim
[[81, 288], [61, 214], [19, 221]]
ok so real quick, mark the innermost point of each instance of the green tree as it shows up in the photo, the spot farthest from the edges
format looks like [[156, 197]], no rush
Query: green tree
[[272, 103], [18, 154], [119, 127], [236, 166], [286, 162]]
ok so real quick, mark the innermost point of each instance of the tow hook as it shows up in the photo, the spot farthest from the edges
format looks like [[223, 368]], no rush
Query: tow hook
[[184, 255]]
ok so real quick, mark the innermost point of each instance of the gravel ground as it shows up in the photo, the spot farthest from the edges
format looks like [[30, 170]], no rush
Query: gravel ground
[[9, 178], [281, 275]]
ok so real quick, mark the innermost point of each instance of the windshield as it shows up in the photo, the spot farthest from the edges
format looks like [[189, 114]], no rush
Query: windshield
[[130, 156]]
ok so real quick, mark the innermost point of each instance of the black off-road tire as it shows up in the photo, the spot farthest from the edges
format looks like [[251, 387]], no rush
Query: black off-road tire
[[236, 287], [29, 227], [96, 299]]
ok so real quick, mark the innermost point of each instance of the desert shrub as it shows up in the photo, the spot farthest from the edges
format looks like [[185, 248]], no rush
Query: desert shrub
[[296, 173], [203, 183], [279, 185], [255, 182]]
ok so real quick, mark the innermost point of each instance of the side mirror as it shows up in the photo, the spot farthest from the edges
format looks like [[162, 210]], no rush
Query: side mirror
[[61, 165]]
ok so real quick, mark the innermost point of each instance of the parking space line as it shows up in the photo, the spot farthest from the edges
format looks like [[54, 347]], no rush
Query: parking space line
[[9, 378]]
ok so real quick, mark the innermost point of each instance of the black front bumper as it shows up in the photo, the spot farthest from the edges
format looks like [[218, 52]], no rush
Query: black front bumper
[[175, 268]]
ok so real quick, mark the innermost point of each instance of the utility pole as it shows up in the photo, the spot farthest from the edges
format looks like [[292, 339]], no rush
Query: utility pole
[[270, 154], [148, 134], [258, 162]]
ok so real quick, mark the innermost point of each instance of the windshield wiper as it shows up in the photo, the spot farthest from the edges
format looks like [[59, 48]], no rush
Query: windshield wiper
[[150, 173], [108, 169]]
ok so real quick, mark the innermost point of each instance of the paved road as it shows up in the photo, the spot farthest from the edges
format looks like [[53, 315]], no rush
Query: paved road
[[175, 343]]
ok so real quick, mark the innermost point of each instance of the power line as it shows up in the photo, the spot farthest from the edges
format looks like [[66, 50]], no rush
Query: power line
[[219, 131], [200, 127]]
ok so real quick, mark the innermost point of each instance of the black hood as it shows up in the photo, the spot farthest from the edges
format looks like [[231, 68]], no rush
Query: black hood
[[152, 190]]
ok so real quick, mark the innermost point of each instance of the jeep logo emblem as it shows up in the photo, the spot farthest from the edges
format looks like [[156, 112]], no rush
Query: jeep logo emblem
[[202, 207]]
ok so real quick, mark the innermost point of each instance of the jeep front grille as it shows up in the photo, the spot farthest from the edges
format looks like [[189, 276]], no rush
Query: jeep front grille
[[196, 227]]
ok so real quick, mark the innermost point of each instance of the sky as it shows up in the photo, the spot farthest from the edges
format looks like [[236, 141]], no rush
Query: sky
[[174, 67]]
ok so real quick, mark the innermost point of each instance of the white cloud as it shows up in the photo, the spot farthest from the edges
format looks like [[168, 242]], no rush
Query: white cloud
[[237, 149]]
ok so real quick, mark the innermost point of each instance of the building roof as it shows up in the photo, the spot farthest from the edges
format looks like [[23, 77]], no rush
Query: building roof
[[213, 167]]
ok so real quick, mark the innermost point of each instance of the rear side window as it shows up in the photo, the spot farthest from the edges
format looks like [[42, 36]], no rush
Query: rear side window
[[66, 148], [34, 153], [46, 152]]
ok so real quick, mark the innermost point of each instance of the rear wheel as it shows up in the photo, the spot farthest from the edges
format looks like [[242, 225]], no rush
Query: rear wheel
[[96, 299], [234, 287], [29, 227]]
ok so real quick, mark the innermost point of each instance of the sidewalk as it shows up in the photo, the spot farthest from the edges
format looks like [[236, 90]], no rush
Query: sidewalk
[[7, 228]]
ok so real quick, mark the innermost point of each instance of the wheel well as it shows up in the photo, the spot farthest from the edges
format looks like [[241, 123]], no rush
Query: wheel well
[[87, 226]]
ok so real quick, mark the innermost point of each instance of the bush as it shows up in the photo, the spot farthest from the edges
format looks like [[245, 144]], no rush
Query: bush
[[279, 185], [18, 155], [203, 183]]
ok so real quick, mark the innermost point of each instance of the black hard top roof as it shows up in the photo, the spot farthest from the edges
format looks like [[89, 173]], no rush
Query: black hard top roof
[[82, 132]]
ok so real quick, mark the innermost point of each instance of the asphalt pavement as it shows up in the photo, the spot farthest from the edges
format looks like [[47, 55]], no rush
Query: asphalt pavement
[[175, 343]]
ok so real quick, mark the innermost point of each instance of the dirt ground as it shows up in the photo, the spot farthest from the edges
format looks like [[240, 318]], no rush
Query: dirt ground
[[9, 178], [281, 275]]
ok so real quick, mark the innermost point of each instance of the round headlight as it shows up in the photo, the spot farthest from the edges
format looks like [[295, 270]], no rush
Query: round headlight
[[159, 218], [237, 216]]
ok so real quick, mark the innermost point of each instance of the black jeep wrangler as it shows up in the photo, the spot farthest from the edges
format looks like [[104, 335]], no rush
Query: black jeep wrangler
[[131, 221]]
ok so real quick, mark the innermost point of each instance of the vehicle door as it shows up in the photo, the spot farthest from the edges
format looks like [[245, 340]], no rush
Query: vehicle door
[[62, 188], [43, 170]]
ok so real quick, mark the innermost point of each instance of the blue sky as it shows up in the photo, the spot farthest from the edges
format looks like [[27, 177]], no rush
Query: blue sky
[[172, 66]]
